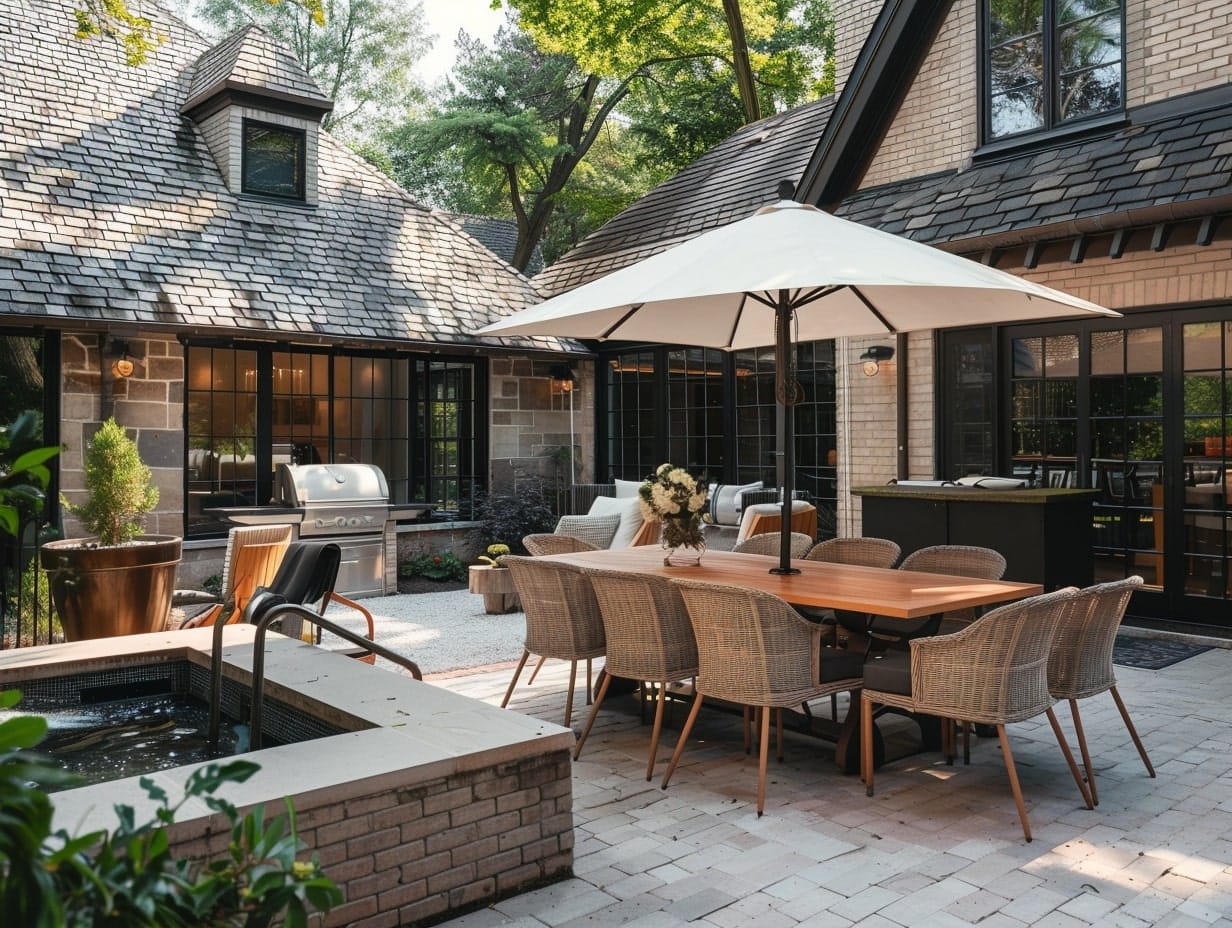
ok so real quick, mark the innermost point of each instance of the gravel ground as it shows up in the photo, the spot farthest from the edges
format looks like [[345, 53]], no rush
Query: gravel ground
[[441, 632]]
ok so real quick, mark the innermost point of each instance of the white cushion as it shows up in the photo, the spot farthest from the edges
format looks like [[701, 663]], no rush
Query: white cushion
[[767, 509], [725, 500], [630, 511], [598, 530], [627, 488]]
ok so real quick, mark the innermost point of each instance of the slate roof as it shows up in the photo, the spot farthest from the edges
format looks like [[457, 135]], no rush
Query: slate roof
[[499, 236], [727, 183], [1162, 159], [251, 59], [112, 210]]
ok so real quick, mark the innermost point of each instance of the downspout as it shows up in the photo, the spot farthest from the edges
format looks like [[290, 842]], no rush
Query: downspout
[[903, 441]]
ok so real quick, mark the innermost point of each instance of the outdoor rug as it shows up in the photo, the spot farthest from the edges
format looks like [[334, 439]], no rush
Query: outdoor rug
[[1152, 653]]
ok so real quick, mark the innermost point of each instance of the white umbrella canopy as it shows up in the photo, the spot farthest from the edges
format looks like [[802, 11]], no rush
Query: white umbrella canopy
[[789, 271], [722, 288]]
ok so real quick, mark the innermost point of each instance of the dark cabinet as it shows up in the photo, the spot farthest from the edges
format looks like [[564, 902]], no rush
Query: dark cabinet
[[1045, 535]]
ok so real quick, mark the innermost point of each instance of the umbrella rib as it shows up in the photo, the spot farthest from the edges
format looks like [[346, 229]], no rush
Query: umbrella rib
[[607, 333], [873, 309], [731, 335]]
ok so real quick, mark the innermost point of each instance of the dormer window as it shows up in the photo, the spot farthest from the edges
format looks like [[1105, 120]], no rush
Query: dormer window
[[1051, 63], [273, 160]]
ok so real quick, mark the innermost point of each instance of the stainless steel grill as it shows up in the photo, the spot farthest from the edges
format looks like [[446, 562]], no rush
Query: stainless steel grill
[[347, 504]]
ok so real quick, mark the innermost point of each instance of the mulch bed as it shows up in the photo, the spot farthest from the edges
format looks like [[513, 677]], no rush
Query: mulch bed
[[424, 585]]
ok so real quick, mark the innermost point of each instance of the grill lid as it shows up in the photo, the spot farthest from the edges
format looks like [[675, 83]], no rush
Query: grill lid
[[306, 485]]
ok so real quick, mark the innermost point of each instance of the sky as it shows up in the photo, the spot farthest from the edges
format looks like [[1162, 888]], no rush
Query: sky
[[445, 18]]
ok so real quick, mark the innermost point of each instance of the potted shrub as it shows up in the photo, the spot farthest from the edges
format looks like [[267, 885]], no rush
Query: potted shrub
[[118, 581]]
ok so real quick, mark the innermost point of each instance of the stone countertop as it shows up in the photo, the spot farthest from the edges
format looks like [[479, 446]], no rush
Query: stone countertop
[[1043, 496]]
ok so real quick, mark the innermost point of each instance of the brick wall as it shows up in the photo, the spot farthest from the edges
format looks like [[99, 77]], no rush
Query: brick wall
[[936, 128], [404, 855], [149, 404], [853, 21], [529, 423], [1176, 47]]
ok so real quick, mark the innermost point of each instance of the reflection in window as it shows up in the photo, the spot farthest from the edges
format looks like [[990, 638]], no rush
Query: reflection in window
[[631, 431], [273, 160], [969, 403], [1208, 458], [1050, 63], [1044, 407]]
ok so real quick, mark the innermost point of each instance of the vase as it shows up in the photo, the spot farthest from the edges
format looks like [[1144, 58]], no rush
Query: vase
[[686, 554]]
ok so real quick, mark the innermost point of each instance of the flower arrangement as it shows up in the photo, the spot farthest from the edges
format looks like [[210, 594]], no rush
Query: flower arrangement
[[674, 498], [494, 555]]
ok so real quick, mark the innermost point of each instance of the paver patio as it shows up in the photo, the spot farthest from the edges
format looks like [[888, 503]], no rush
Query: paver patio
[[936, 846]]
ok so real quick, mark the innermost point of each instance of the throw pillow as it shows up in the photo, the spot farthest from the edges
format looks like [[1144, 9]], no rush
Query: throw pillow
[[725, 502], [630, 512], [598, 530], [627, 488]]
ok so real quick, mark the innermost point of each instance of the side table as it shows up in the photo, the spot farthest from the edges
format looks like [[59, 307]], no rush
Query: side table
[[496, 586]]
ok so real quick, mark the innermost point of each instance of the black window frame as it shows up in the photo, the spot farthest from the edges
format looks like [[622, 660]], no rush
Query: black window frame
[[1053, 128], [301, 159]]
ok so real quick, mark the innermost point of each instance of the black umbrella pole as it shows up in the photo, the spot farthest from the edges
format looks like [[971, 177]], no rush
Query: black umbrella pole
[[786, 430]]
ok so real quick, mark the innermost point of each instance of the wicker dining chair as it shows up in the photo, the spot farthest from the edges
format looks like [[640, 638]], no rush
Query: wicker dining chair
[[955, 560], [754, 650], [649, 638], [562, 618], [770, 543], [1080, 664], [546, 543], [994, 671]]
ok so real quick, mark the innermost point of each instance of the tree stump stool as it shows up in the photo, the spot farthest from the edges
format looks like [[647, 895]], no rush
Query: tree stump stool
[[496, 586]]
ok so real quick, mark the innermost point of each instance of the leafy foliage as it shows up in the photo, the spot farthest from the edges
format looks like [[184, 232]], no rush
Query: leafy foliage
[[118, 484], [508, 519], [24, 474], [439, 567], [128, 876]]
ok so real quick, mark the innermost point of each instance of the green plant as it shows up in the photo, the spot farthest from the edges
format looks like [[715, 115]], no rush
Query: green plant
[[24, 474], [494, 555], [119, 487], [515, 516], [440, 567], [128, 878], [24, 611]]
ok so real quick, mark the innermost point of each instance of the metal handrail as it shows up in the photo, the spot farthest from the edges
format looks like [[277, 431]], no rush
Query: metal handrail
[[258, 663]]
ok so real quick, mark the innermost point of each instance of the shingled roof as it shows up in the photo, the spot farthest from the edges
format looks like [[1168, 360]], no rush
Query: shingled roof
[[727, 183], [252, 60], [112, 210], [1163, 164]]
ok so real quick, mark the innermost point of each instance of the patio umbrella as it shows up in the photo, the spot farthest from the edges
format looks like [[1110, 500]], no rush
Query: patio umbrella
[[789, 270]]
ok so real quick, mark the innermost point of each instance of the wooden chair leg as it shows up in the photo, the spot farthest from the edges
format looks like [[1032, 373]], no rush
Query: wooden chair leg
[[1082, 748], [569, 696], [607, 679], [1008, 756], [654, 733], [947, 740], [590, 684], [966, 727], [866, 743], [534, 673], [1133, 732], [684, 737], [514, 682], [834, 707], [1069, 759], [761, 760], [778, 728]]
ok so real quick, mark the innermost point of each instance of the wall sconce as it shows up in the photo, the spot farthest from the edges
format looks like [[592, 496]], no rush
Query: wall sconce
[[121, 367], [872, 358], [563, 379]]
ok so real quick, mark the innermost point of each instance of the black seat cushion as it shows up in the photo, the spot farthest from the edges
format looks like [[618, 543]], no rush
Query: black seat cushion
[[889, 673], [840, 665]]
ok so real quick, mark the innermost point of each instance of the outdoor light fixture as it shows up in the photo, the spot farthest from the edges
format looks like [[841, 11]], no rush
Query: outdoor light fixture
[[563, 379], [121, 367], [873, 357]]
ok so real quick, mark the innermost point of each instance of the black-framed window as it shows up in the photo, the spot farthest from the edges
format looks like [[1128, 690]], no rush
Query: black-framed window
[[274, 160], [1050, 63], [250, 408]]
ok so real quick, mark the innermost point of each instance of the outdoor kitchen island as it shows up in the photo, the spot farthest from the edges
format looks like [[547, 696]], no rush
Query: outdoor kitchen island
[[1044, 534]]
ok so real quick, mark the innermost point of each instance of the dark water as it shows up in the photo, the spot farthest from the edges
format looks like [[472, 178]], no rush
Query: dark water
[[112, 740]]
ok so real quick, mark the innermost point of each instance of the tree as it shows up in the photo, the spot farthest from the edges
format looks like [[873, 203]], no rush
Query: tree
[[520, 119], [360, 53]]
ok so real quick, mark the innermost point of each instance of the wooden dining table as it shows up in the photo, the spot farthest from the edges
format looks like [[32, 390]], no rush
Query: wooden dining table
[[896, 594]]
